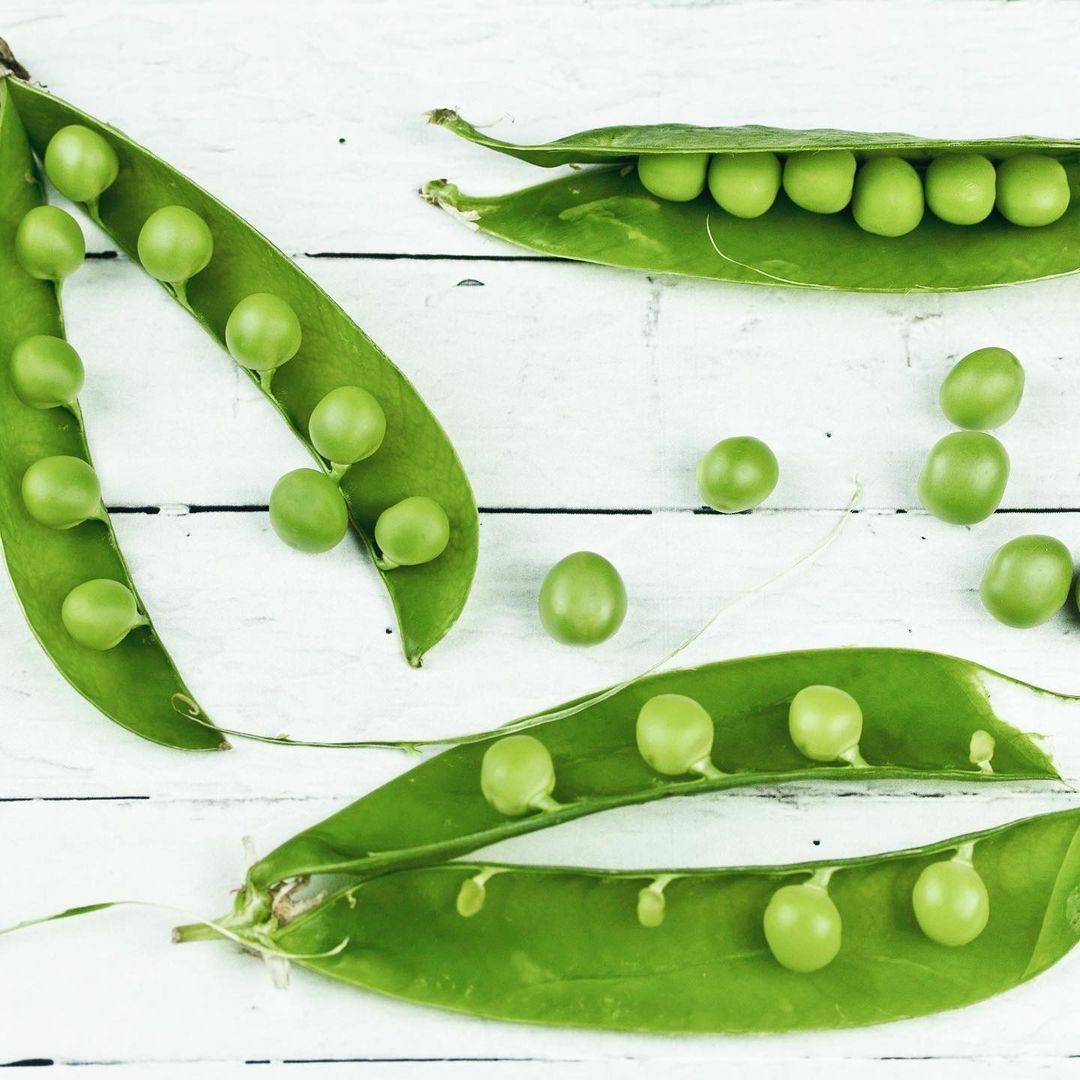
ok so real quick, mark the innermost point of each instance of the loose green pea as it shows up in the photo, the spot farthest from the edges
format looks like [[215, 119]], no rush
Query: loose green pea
[[412, 532], [347, 425], [263, 332], [517, 776], [951, 903], [80, 163], [49, 243], [175, 244], [46, 372], [582, 600], [100, 613], [61, 492], [745, 185], [1027, 580], [825, 723], [1032, 189], [961, 188], [308, 512], [888, 199], [675, 735], [674, 177], [737, 474], [984, 389], [820, 181], [964, 477], [803, 927]]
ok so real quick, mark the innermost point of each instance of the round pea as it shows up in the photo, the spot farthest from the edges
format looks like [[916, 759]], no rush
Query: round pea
[[803, 927], [582, 600], [347, 425], [1027, 580], [61, 492], [46, 372], [517, 775], [737, 474], [100, 613], [1032, 189], [263, 332], [888, 198], [80, 163], [820, 180], [984, 389], [674, 177], [964, 477], [307, 511], [961, 188], [674, 734], [745, 185], [951, 903], [825, 722], [413, 531], [49, 243], [175, 244]]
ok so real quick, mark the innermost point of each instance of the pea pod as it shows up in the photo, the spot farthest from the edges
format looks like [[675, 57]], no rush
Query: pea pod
[[325, 352], [135, 682], [605, 215]]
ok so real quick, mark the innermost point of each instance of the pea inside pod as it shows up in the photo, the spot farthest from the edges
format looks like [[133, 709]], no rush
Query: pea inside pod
[[951, 901], [1032, 190], [80, 163], [961, 188], [821, 181], [745, 185], [46, 372], [675, 177], [99, 614], [802, 925], [62, 492], [308, 512], [675, 736], [517, 776], [49, 243]]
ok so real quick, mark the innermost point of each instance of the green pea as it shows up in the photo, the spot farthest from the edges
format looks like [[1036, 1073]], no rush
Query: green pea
[[80, 163], [826, 724], [347, 425], [46, 372], [49, 243], [820, 181], [1032, 189], [745, 185], [984, 389], [100, 613], [951, 903], [803, 927], [412, 532], [175, 244], [308, 512], [960, 188], [675, 736], [674, 177], [62, 492], [888, 199], [517, 776], [1027, 581], [582, 600], [737, 474], [964, 477], [263, 332]]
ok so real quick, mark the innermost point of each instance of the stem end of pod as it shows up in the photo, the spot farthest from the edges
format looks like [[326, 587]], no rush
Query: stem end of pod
[[9, 65]]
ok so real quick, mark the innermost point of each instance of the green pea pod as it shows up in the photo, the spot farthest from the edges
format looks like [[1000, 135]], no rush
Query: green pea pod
[[921, 710], [415, 458], [605, 215], [134, 683]]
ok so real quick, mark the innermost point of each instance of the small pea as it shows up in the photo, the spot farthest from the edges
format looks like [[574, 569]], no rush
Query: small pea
[[308, 512], [46, 372], [961, 188], [826, 724], [651, 903], [737, 474], [964, 478], [1027, 580], [820, 181], [674, 177], [412, 532], [175, 244], [1032, 189], [582, 599], [49, 243], [951, 903], [80, 163], [347, 425], [803, 927], [745, 185], [983, 389], [61, 492], [517, 776], [888, 199], [100, 613], [263, 332], [675, 736]]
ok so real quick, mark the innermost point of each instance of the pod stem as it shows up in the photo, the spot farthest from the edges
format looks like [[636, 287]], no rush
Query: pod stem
[[338, 470], [265, 378], [9, 65], [706, 769], [93, 212], [821, 878], [965, 853], [547, 804], [179, 291], [855, 759]]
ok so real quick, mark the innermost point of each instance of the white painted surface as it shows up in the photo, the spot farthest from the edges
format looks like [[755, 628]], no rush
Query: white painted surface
[[564, 387]]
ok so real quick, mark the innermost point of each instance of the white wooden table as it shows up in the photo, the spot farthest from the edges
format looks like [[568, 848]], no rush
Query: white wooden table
[[579, 399]]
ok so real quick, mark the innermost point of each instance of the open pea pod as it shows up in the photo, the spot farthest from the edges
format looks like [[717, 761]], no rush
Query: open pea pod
[[605, 215], [416, 457], [135, 683], [921, 711]]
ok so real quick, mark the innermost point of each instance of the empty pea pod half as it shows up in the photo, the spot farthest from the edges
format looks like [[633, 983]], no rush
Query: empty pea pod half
[[769, 206]]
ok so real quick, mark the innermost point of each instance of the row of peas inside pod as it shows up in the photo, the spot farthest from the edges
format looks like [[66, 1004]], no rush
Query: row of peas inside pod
[[887, 195]]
